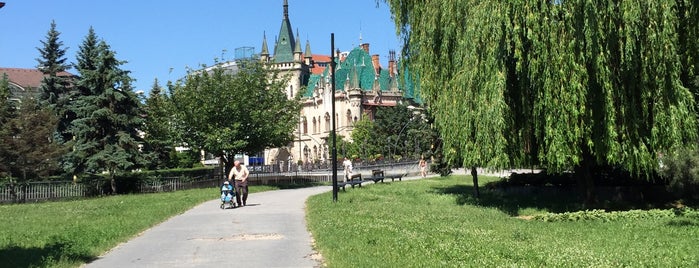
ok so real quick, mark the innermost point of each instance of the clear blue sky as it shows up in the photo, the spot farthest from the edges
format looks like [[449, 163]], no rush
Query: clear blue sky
[[159, 39]]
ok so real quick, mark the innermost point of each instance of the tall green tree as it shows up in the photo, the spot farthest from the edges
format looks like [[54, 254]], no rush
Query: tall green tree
[[226, 113], [570, 85], [56, 85], [109, 115], [28, 137], [159, 142], [7, 113]]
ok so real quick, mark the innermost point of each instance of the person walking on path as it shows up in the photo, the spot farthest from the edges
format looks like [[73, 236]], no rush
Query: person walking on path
[[239, 173], [347, 165], [423, 167]]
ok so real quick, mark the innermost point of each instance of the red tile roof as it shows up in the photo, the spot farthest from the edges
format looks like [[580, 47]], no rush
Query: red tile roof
[[321, 62], [26, 77]]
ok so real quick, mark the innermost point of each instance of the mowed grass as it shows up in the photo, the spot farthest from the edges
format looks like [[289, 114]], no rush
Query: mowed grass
[[437, 223], [70, 233]]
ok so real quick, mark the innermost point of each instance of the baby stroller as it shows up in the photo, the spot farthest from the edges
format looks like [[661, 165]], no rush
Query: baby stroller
[[227, 195]]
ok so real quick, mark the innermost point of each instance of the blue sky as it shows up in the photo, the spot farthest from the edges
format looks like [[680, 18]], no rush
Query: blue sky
[[160, 39]]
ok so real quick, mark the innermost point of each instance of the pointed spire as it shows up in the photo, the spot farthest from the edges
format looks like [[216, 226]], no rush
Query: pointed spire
[[376, 87], [355, 78], [308, 49], [265, 50], [284, 45], [297, 48]]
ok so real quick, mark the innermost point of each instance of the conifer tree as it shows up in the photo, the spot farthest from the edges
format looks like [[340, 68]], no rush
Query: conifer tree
[[108, 115], [157, 128], [55, 85]]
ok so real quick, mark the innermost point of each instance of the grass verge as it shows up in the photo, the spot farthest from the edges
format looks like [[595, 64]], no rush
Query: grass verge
[[70, 233], [437, 223]]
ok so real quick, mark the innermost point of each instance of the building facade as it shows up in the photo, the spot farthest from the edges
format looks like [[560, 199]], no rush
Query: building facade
[[361, 85]]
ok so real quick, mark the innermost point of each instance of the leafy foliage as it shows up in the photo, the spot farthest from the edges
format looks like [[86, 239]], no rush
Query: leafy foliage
[[562, 84], [602, 215], [681, 168], [55, 86], [108, 114], [225, 113], [158, 136], [28, 149]]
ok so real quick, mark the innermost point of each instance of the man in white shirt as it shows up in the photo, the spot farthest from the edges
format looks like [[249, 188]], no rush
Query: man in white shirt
[[239, 173], [347, 165]]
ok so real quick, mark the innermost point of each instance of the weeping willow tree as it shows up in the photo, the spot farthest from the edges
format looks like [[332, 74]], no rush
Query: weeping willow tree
[[567, 84]]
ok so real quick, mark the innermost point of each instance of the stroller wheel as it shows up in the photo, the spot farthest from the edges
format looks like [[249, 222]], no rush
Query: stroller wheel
[[223, 205]]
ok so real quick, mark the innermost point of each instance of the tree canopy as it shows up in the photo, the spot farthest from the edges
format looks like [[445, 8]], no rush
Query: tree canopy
[[225, 112], [108, 114], [55, 90], [562, 84]]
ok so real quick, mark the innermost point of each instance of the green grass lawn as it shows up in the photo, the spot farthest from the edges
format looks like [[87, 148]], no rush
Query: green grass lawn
[[70, 233], [437, 223]]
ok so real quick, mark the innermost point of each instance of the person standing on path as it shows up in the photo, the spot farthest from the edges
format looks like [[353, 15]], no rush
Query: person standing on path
[[240, 175]]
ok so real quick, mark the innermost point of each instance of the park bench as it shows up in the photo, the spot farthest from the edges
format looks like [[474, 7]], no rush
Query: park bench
[[376, 175], [355, 179], [393, 177]]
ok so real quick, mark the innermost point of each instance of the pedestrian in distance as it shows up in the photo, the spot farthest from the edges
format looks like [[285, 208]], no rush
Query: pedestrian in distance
[[423, 167], [347, 165], [239, 174]]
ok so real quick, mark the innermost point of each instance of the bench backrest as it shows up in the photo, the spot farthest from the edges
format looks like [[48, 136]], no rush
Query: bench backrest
[[377, 172], [355, 176]]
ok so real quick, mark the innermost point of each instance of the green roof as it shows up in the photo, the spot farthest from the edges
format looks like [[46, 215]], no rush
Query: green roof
[[284, 48], [360, 60]]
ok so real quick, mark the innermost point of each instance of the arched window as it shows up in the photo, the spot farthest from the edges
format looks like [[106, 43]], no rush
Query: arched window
[[327, 122], [304, 122], [314, 125], [349, 118]]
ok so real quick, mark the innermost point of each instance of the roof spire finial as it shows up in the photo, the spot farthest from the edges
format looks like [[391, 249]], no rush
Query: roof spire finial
[[286, 9]]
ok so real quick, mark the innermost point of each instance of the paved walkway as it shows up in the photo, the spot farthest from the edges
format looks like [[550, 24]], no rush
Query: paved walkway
[[269, 232]]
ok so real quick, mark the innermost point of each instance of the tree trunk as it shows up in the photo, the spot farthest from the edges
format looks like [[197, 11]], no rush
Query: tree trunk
[[474, 174], [586, 182], [227, 164], [112, 181]]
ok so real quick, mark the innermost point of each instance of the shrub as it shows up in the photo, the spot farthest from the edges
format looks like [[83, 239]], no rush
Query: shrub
[[681, 169]]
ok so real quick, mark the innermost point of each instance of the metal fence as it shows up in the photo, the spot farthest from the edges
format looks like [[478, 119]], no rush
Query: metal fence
[[37, 191], [54, 190]]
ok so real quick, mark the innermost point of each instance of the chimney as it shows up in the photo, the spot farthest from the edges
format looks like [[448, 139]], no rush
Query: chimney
[[365, 47], [391, 63], [375, 63]]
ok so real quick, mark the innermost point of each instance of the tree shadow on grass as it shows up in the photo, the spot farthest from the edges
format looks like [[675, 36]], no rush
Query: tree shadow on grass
[[49, 255], [551, 199]]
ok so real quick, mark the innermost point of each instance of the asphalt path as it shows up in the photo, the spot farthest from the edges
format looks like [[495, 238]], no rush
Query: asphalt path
[[269, 232]]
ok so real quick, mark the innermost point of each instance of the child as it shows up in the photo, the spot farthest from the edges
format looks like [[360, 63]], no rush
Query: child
[[227, 194]]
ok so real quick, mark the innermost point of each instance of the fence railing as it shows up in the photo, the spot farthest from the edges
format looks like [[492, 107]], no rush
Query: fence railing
[[54, 190], [36, 191]]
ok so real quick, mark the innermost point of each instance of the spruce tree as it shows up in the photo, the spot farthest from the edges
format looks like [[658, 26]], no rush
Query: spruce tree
[[55, 85], [108, 115], [157, 130]]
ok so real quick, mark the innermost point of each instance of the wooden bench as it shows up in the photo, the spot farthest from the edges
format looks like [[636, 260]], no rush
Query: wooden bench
[[355, 179], [376, 175], [393, 177]]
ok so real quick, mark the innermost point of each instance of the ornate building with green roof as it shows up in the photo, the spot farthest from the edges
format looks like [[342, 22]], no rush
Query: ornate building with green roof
[[361, 85]]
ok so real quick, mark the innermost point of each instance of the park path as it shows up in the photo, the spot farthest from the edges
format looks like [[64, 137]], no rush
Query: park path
[[269, 232]]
